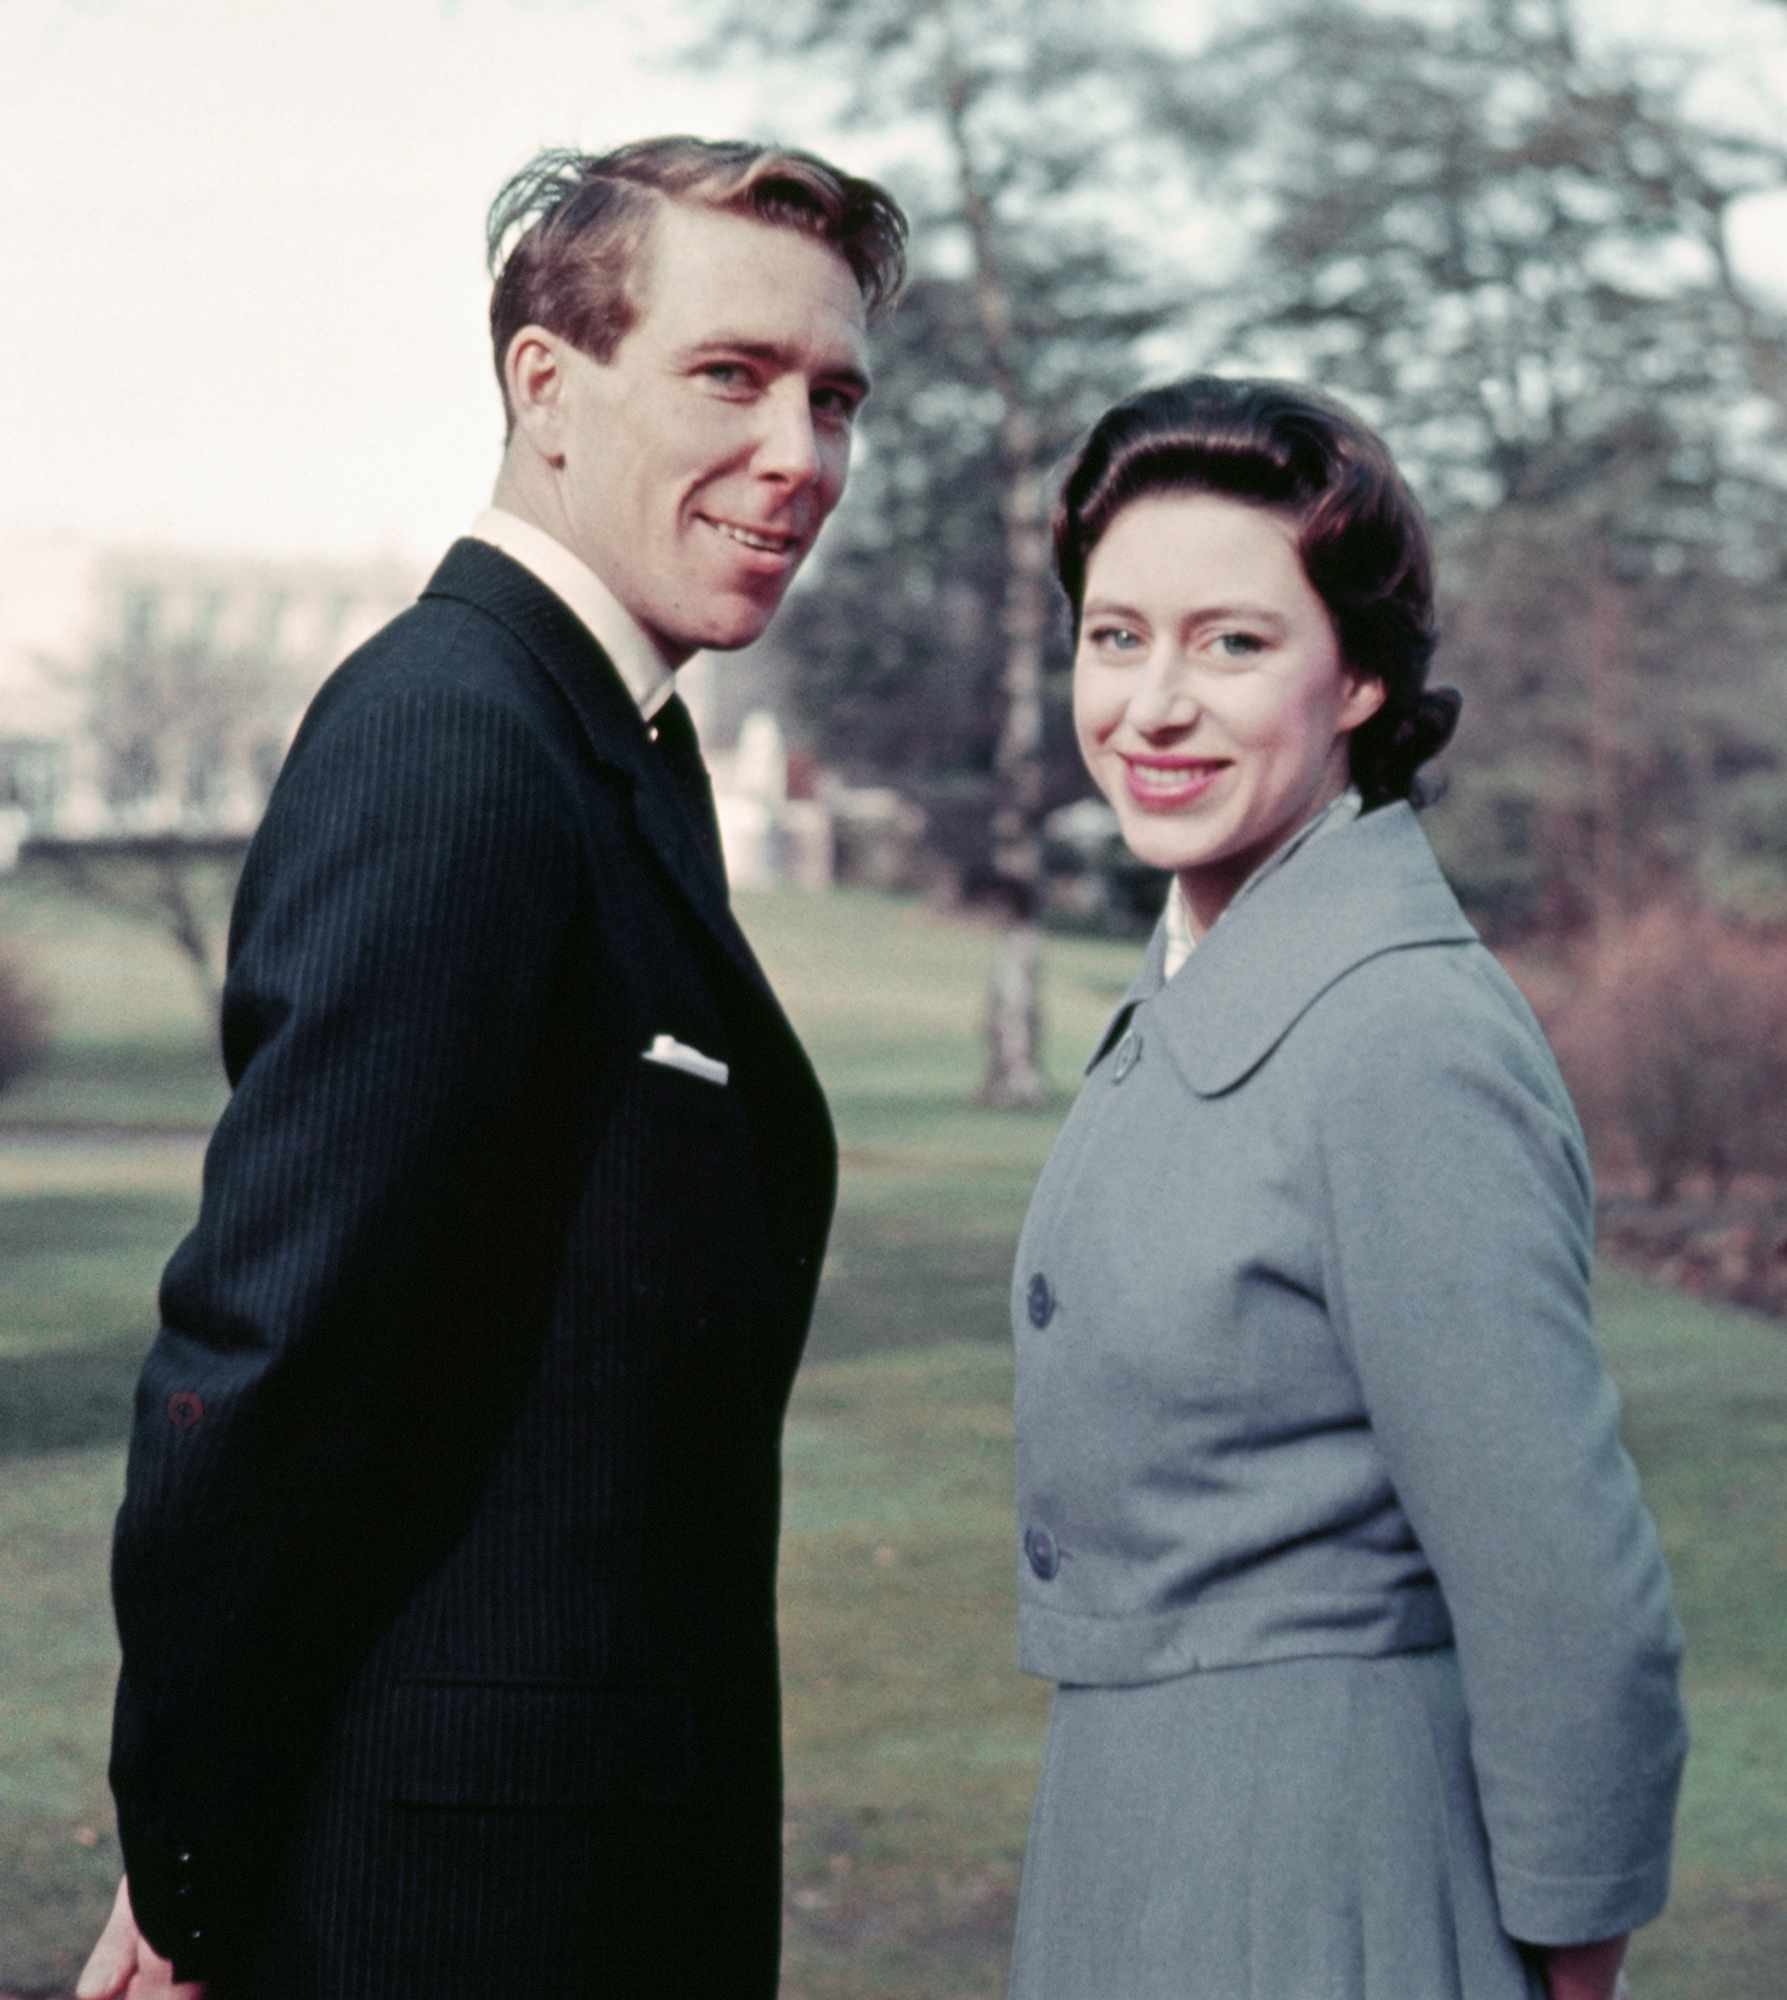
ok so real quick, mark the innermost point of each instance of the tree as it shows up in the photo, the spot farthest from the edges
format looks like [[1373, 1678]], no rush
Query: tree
[[1462, 215], [1628, 720], [187, 724], [1512, 247], [1029, 301]]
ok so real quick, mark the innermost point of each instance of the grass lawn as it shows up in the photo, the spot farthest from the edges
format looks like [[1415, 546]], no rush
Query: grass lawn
[[912, 1741], [131, 1044]]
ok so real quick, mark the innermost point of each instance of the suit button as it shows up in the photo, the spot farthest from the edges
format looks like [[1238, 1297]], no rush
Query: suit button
[[1041, 1553], [1129, 1053], [1041, 1301]]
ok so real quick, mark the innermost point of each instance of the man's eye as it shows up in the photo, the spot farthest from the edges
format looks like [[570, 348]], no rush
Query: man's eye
[[726, 374], [837, 406]]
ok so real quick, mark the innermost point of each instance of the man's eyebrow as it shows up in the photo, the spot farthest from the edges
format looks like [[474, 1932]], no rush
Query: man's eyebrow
[[772, 351]]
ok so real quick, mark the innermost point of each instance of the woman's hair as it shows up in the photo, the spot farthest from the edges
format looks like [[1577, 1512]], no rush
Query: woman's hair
[[1361, 536]]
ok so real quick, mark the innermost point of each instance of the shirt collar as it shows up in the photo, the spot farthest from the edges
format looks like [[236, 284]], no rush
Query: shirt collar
[[1180, 940], [568, 577]]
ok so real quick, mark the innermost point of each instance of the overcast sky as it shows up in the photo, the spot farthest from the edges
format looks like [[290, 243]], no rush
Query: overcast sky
[[243, 295]]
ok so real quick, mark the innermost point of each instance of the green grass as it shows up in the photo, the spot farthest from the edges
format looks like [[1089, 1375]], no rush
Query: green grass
[[78, 1265], [912, 1742], [131, 1043]]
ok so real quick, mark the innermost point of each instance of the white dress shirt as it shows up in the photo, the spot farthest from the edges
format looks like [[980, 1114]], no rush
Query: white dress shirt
[[570, 578]]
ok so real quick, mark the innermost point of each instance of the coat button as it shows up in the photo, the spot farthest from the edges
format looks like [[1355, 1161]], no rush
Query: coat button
[[1041, 1301], [1129, 1053], [1041, 1553]]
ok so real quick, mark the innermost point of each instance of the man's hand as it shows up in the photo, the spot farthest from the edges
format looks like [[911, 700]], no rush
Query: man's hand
[[126, 1966]]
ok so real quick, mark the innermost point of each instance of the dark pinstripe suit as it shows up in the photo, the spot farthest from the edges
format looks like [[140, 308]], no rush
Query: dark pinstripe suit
[[445, 1570]]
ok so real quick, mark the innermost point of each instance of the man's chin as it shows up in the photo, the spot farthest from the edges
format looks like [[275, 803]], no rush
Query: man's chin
[[735, 627]]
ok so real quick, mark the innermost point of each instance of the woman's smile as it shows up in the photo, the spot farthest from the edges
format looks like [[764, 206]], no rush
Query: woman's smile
[[1165, 784]]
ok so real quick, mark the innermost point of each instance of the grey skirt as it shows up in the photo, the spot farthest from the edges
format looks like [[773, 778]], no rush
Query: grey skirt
[[1303, 1830]]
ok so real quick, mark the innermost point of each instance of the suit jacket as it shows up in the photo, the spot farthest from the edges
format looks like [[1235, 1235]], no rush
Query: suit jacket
[[1305, 1364], [445, 1568]]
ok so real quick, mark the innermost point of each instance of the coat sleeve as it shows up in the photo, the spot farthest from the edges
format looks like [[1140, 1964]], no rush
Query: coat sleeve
[[346, 1326], [1459, 1223]]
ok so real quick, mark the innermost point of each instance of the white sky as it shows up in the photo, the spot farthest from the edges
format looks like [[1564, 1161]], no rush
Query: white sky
[[243, 295]]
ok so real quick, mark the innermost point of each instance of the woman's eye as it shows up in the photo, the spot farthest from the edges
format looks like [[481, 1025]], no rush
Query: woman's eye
[[1113, 639], [1239, 645]]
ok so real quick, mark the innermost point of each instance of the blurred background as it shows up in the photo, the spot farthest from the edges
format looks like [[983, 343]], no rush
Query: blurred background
[[248, 400]]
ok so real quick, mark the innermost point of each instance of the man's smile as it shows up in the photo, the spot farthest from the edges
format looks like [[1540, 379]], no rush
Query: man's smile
[[766, 539]]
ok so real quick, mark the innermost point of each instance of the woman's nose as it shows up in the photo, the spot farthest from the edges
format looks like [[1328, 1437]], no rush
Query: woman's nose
[[1164, 700]]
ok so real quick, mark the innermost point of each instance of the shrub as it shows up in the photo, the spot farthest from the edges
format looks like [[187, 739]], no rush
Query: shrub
[[1675, 1045], [24, 1024]]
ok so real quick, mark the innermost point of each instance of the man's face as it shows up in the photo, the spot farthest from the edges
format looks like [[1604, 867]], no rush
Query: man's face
[[701, 461]]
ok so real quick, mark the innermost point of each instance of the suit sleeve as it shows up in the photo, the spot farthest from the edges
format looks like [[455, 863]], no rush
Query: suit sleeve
[[1459, 1229], [345, 1325]]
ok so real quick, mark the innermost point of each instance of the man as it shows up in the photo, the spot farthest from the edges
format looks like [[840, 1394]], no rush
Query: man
[[445, 1569]]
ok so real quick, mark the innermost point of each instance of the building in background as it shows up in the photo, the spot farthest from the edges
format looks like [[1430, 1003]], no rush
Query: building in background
[[148, 695], [153, 691]]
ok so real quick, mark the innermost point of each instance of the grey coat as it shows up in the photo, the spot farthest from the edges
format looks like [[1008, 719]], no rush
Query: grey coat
[[1305, 1371]]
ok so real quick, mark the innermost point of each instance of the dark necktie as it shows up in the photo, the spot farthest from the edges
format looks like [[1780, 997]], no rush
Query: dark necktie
[[673, 730]]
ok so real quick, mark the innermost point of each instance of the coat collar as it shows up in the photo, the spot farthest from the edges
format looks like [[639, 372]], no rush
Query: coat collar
[[1359, 891], [475, 573]]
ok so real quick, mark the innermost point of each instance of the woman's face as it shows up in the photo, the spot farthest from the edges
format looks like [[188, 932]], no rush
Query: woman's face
[[1209, 696]]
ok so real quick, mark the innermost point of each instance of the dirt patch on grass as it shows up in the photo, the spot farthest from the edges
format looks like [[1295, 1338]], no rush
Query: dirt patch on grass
[[867, 1918]]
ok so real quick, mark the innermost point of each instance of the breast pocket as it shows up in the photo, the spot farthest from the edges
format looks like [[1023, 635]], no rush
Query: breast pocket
[[682, 1166]]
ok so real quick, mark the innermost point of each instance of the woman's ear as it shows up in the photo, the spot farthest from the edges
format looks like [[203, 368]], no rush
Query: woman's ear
[[1365, 695]]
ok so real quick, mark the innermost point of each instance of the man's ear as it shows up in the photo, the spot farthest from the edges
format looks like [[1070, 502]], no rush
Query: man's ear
[[534, 375]]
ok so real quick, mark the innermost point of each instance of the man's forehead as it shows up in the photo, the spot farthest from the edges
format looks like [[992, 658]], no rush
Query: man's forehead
[[725, 279]]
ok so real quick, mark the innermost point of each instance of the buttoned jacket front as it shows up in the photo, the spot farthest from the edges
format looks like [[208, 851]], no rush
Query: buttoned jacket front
[[1305, 1363]]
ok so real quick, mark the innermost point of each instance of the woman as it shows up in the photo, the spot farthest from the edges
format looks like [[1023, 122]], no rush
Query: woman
[[1366, 1661]]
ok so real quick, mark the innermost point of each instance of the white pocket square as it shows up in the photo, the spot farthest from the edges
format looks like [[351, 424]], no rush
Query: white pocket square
[[673, 1054]]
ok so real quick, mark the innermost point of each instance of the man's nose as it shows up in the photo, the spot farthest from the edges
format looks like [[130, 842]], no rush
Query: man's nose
[[789, 447]]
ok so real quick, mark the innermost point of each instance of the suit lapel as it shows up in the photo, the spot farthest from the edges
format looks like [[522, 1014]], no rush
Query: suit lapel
[[473, 572]]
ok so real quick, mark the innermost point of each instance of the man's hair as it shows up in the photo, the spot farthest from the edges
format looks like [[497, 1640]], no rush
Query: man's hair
[[568, 236], [1361, 536]]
